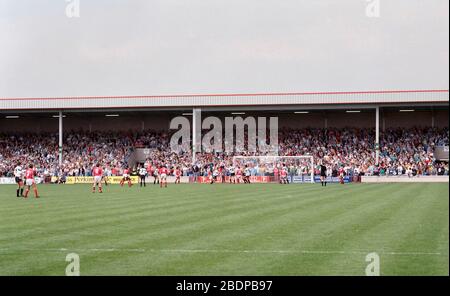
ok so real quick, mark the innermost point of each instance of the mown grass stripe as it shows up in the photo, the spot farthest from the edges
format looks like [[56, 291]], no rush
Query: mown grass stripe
[[227, 229]]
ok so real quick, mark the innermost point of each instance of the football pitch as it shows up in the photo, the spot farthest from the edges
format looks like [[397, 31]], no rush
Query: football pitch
[[200, 229]]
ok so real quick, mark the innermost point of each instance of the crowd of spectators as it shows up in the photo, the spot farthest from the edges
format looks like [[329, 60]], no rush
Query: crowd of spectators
[[402, 152]]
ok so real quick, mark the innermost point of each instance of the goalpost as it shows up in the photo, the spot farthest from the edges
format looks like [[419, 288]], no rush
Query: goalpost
[[266, 164]]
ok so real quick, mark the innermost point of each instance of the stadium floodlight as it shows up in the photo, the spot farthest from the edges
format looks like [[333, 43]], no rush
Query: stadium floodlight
[[269, 162], [301, 112], [187, 114], [57, 116], [353, 111], [11, 116], [406, 110], [237, 113], [112, 115]]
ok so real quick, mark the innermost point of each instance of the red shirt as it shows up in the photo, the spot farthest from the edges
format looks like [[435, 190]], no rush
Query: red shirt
[[238, 172], [98, 172], [177, 173], [162, 171], [29, 174], [283, 173], [126, 171]]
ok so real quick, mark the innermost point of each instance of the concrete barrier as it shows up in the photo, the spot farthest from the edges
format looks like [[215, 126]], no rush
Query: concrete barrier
[[404, 179]]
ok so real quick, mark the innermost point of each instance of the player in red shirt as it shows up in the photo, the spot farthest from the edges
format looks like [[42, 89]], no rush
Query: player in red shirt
[[149, 170], [30, 173], [341, 175], [276, 173], [221, 174], [177, 175], [239, 174], [163, 171], [283, 175], [126, 177], [97, 172]]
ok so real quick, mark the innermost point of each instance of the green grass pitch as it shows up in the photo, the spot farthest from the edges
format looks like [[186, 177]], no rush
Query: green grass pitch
[[198, 229]]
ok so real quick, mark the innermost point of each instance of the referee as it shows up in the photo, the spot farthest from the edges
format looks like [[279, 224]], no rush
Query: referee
[[323, 174]]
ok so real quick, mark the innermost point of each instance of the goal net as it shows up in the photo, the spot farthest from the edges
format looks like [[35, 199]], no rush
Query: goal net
[[300, 168]]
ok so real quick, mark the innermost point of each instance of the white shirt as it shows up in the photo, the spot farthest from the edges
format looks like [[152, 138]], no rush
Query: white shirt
[[18, 171]]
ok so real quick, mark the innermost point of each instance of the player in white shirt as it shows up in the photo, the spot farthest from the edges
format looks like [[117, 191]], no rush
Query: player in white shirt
[[400, 170], [106, 174], [232, 174], [142, 175], [214, 175], [18, 174], [409, 171], [247, 174], [156, 175]]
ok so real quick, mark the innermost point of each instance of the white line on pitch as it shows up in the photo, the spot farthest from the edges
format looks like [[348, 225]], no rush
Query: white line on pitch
[[70, 250], [292, 252], [219, 251]]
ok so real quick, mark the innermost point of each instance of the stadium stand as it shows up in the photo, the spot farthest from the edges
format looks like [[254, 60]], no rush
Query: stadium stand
[[402, 151]]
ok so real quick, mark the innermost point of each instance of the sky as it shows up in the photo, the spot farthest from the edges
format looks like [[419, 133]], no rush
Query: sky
[[163, 47]]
